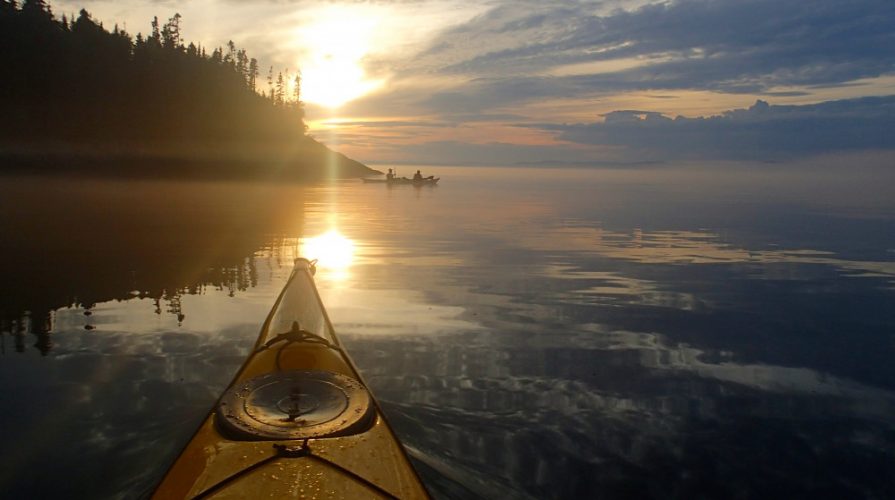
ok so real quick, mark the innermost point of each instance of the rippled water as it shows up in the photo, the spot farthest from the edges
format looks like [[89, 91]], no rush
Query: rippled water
[[713, 331]]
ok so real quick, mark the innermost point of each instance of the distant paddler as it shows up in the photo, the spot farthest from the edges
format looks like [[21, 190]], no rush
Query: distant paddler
[[419, 177]]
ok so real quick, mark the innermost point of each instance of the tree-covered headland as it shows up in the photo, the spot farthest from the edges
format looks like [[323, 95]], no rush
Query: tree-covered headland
[[77, 97]]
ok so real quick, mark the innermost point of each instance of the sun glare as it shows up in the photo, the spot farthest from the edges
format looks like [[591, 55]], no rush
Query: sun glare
[[333, 251], [335, 43]]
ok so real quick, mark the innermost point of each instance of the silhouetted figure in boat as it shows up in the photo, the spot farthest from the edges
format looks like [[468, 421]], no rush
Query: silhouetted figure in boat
[[418, 176], [390, 176]]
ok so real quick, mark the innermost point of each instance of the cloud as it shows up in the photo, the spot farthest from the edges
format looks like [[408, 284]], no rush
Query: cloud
[[471, 118], [760, 132], [786, 35], [513, 53], [626, 137]]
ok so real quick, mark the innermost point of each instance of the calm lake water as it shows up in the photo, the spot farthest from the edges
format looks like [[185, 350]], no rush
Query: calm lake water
[[717, 331]]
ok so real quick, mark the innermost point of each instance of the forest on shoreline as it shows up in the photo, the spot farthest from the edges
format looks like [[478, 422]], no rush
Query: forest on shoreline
[[79, 98]]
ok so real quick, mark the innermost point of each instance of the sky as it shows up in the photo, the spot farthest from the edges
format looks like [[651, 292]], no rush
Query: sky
[[554, 82]]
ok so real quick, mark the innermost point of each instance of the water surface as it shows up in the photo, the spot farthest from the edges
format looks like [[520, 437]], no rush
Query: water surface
[[667, 331]]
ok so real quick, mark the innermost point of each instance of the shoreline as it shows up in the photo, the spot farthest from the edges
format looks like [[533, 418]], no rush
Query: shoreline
[[315, 167]]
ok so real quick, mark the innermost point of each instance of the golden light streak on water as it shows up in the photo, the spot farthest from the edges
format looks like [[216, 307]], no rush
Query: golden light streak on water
[[334, 253]]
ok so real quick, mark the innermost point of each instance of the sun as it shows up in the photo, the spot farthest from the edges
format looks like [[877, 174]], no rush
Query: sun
[[334, 45]]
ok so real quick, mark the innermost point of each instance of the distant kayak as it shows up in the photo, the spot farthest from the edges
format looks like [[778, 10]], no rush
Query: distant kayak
[[296, 422], [404, 181]]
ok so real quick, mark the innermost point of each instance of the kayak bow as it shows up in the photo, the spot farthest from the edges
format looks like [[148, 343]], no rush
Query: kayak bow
[[297, 421]]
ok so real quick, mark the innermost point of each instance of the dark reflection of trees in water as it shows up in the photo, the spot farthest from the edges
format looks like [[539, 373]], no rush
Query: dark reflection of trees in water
[[79, 244], [39, 320]]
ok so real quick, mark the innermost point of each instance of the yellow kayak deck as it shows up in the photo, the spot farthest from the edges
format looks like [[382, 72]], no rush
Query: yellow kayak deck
[[296, 422]]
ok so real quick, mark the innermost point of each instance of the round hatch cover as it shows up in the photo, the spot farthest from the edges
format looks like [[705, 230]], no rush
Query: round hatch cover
[[293, 405]]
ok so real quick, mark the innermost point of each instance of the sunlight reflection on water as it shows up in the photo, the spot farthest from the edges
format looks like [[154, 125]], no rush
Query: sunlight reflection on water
[[333, 252]]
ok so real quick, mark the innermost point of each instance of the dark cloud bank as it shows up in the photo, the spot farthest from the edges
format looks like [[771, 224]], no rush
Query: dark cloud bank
[[761, 132]]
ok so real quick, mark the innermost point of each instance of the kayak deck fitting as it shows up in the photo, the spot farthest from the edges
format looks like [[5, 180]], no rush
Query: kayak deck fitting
[[297, 421]]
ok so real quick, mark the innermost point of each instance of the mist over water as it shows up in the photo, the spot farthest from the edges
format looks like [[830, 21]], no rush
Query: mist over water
[[664, 331]]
